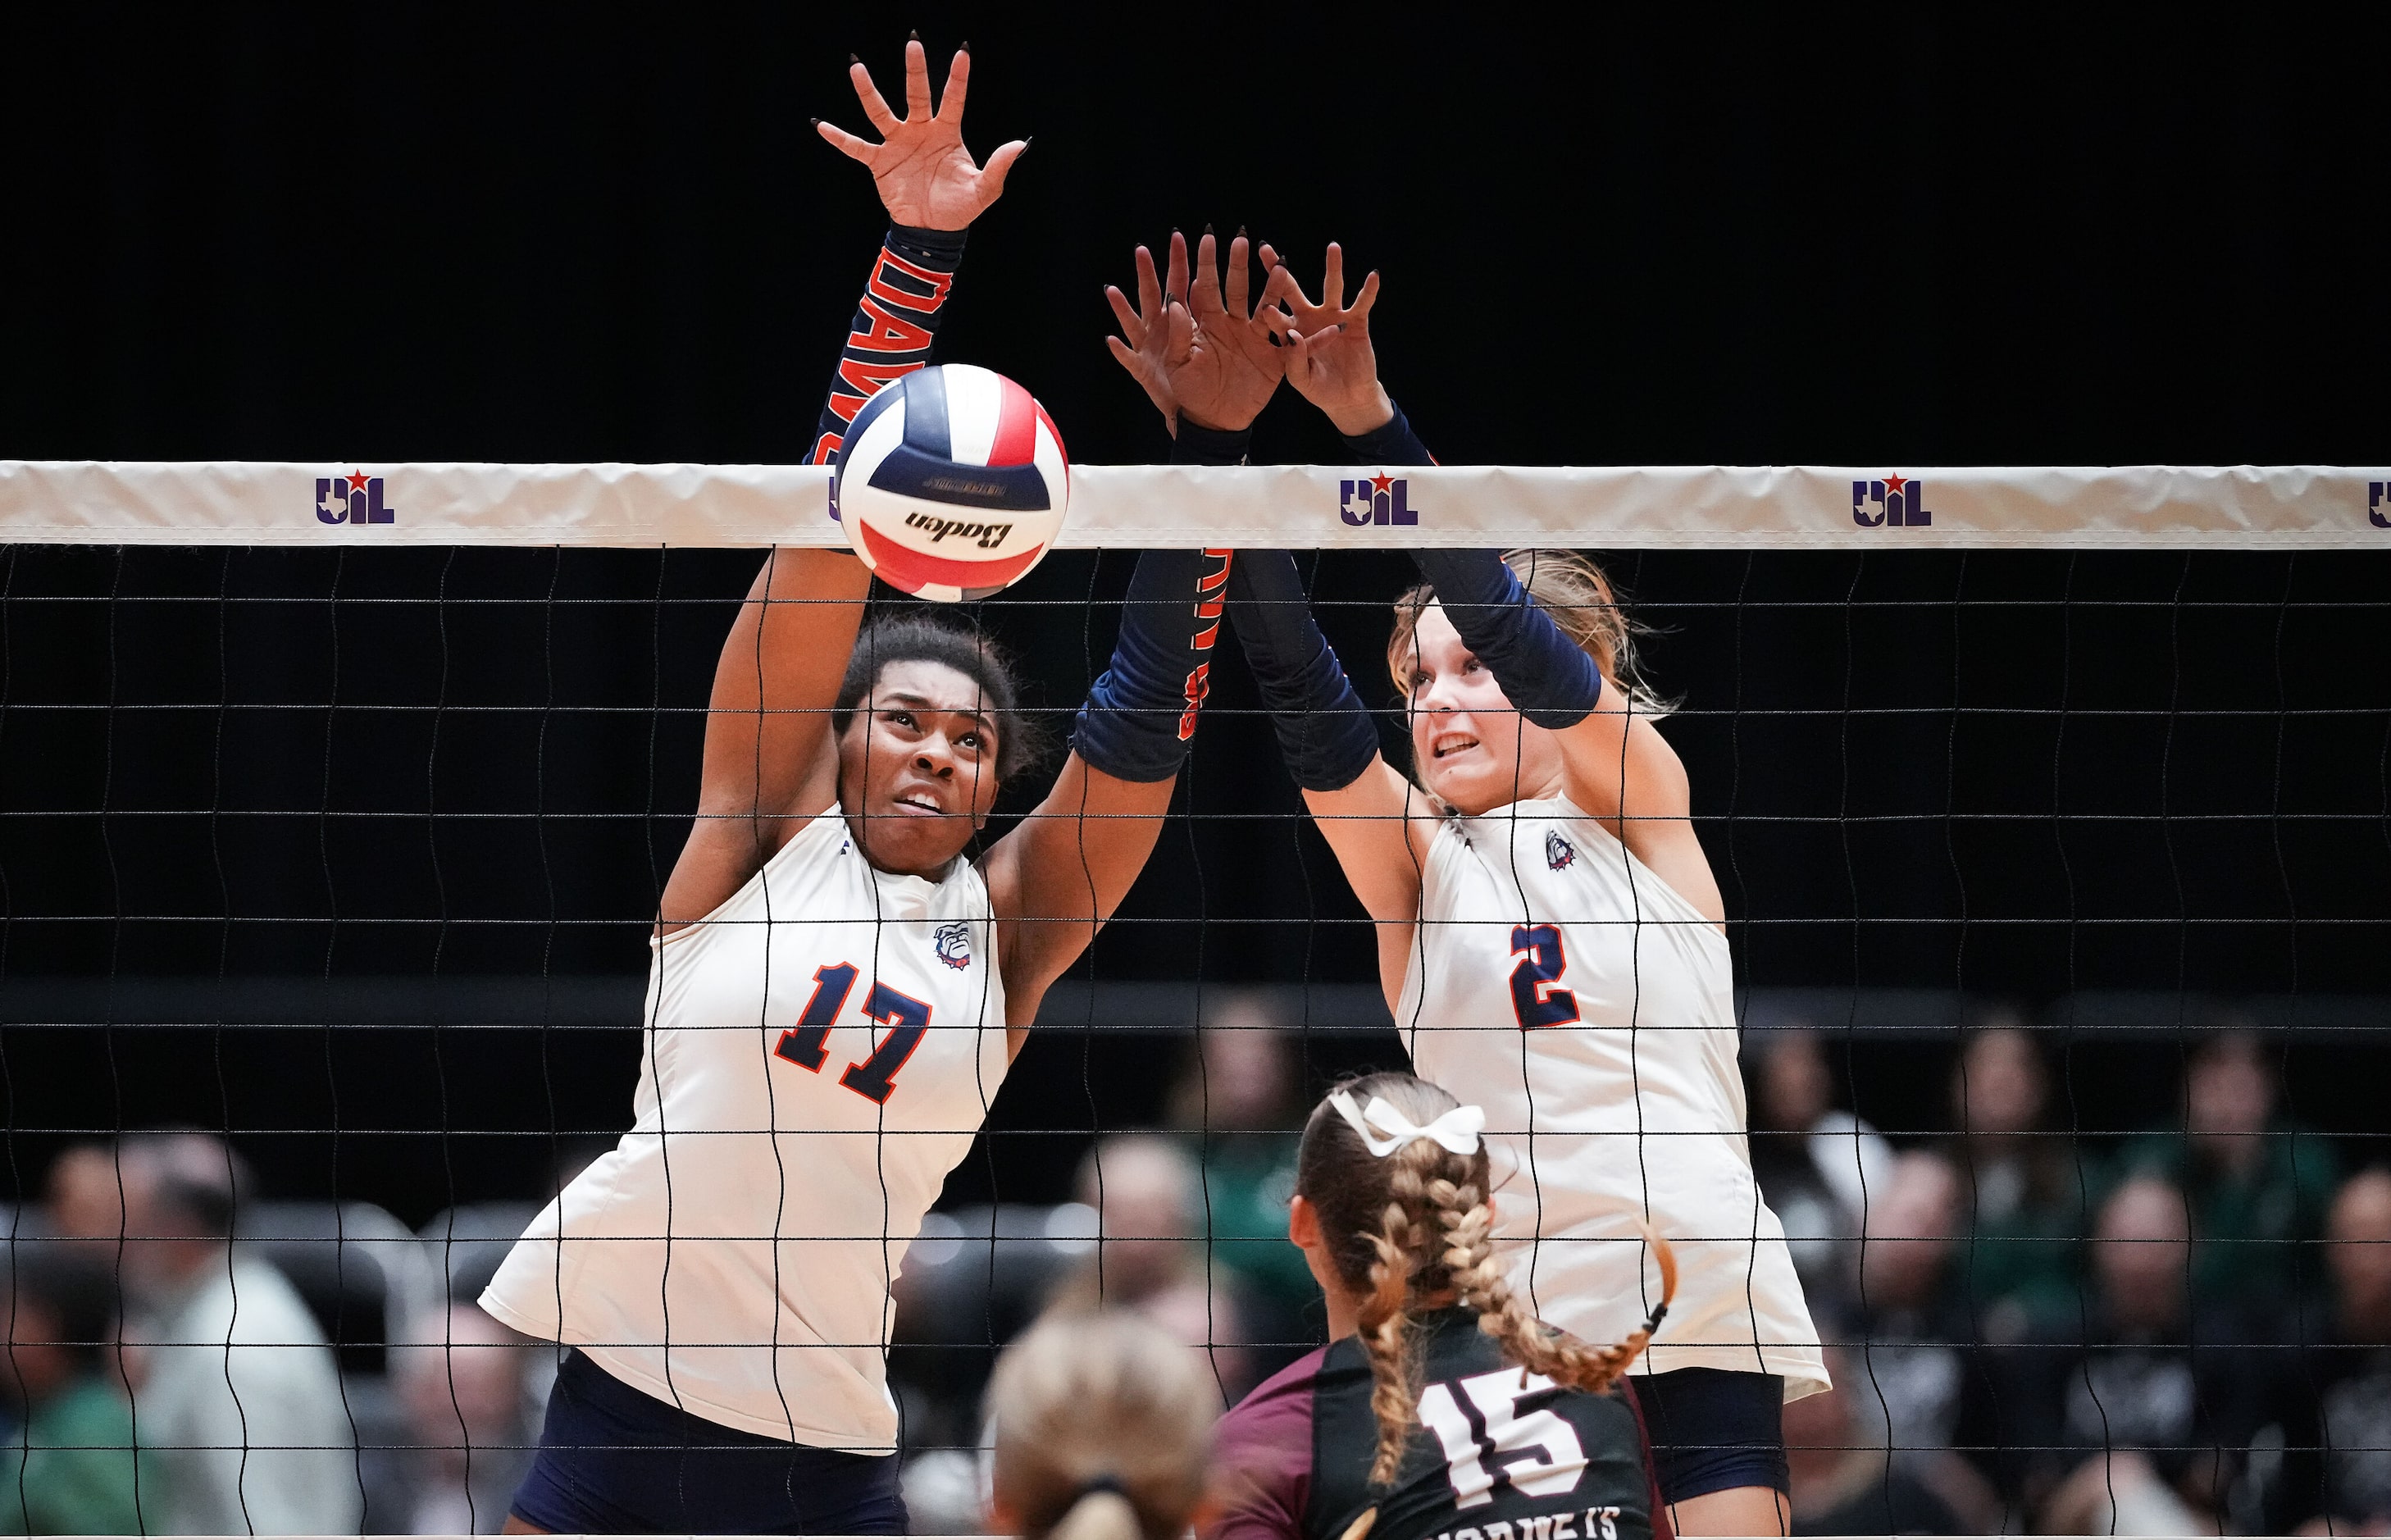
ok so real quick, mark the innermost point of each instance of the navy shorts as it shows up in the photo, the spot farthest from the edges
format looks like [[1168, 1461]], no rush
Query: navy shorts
[[1712, 1430], [614, 1461]]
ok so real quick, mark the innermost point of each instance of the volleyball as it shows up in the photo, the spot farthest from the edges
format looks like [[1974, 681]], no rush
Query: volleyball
[[952, 484]]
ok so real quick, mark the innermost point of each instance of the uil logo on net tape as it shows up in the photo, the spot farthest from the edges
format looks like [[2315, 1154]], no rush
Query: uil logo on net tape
[[1379, 499], [355, 499], [1894, 501], [2378, 504]]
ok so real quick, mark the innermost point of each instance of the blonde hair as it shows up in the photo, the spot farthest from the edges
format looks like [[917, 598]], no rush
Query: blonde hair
[[1571, 589], [1103, 1428], [1416, 1223]]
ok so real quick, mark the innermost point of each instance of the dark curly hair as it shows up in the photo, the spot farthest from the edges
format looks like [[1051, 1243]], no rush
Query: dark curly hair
[[1021, 740]]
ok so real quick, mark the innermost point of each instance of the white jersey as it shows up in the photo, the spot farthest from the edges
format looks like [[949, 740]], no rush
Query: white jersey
[[1558, 983], [820, 1051]]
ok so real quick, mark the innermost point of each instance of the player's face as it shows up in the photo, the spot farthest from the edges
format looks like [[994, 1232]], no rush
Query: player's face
[[1472, 748], [918, 761]]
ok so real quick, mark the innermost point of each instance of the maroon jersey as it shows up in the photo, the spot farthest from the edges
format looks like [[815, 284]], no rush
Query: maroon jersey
[[1498, 1454]]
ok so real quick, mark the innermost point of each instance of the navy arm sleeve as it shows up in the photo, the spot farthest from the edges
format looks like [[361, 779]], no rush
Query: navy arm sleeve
[[1324, 731], [1142, 712], [1549, 677], [903, 302]]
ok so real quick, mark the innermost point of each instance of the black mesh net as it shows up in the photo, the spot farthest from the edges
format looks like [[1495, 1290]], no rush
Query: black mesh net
[[2059, 890]]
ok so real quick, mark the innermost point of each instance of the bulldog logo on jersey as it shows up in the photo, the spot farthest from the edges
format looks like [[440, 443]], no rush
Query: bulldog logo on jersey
[[953, 943], [1559, 854]]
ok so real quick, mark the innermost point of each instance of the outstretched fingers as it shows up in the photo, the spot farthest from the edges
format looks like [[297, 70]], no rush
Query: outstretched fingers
[[845, 143], [1000, 166], [917, 81], [875, 106], [1332, 283], [1359, 316], [951, 100], [1180, 339], [1138, 323], [1131, 327], [1204, 294], [1240, 280], [1281, 287], [1149, 288], [1127, 356], [1176, 285]]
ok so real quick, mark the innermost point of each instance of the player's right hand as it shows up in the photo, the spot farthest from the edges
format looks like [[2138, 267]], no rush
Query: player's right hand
[[926, 178], [1333, 365]]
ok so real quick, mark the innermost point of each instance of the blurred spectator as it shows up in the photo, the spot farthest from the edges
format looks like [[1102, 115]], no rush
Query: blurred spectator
[[68, 1469], [468, 1417], [2023, 1189], [1846, 1480], [1103, 1430], [2258, 1185], [1240, 1096], [1913, 1323], [2337, 1414], [1150, 1257], [83, 1200], [1960, 1413], [236, 1395], [1818, 1164], [2164, 1398]]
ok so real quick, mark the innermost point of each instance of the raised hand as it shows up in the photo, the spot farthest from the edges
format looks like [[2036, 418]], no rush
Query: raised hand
[[1199, 353], [926, 178], [1332, 364]]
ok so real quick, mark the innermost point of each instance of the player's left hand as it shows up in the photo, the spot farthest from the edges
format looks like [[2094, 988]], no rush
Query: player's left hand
[[1200, 352], [1159, 333], [1334, 366], [926, 178]]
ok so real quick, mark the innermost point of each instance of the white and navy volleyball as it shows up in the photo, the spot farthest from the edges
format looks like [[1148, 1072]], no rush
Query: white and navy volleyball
[[952, 483]]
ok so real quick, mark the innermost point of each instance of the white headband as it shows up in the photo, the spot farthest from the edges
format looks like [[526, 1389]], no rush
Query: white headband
[[1456, 1129]]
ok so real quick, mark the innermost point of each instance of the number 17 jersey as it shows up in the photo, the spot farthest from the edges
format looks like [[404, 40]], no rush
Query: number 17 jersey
[[820, 1051], [1556, 981]]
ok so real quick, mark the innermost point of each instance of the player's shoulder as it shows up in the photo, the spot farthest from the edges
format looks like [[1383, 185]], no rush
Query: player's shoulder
[[1285, 1398], [1263, 1455]]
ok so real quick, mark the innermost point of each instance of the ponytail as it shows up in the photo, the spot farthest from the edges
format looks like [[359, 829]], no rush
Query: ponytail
[[1104, 1429], [1102, 1511], [1418, 1224]]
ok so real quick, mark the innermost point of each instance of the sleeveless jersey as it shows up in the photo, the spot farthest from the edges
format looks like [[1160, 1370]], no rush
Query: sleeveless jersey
[[820, 1051], [1560, 985], [1497, 1454]]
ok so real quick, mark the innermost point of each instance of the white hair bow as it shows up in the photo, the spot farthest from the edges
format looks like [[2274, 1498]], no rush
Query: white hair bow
[[1456, 1129]]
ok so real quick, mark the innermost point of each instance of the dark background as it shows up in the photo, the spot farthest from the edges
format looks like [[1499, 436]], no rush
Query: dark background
[[352, 794]]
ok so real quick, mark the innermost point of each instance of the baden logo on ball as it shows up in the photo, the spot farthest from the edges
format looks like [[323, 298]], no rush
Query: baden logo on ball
[[952, 484]]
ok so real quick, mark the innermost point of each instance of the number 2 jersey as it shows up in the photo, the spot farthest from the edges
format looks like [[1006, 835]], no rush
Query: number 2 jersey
[[1587, 1006], [1497, 1455], [821, 1050]]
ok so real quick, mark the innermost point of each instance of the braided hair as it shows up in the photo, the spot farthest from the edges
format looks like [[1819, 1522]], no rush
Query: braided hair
[[1417, 1227]]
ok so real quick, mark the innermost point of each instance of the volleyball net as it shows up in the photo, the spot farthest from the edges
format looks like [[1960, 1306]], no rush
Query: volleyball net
[[2051, 807]]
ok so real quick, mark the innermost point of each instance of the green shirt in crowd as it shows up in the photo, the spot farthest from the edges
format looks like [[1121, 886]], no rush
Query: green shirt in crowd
[[2247, 1225], [1248, 1180], [70, 1470]]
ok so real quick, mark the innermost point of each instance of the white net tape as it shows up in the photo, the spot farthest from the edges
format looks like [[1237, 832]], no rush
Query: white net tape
[[2295, 507]]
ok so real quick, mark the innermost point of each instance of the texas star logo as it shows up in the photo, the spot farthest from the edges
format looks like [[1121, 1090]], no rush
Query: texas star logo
[[1558, 853], [1379, 499], [355, 499], [953, 943], [1896, 500]]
